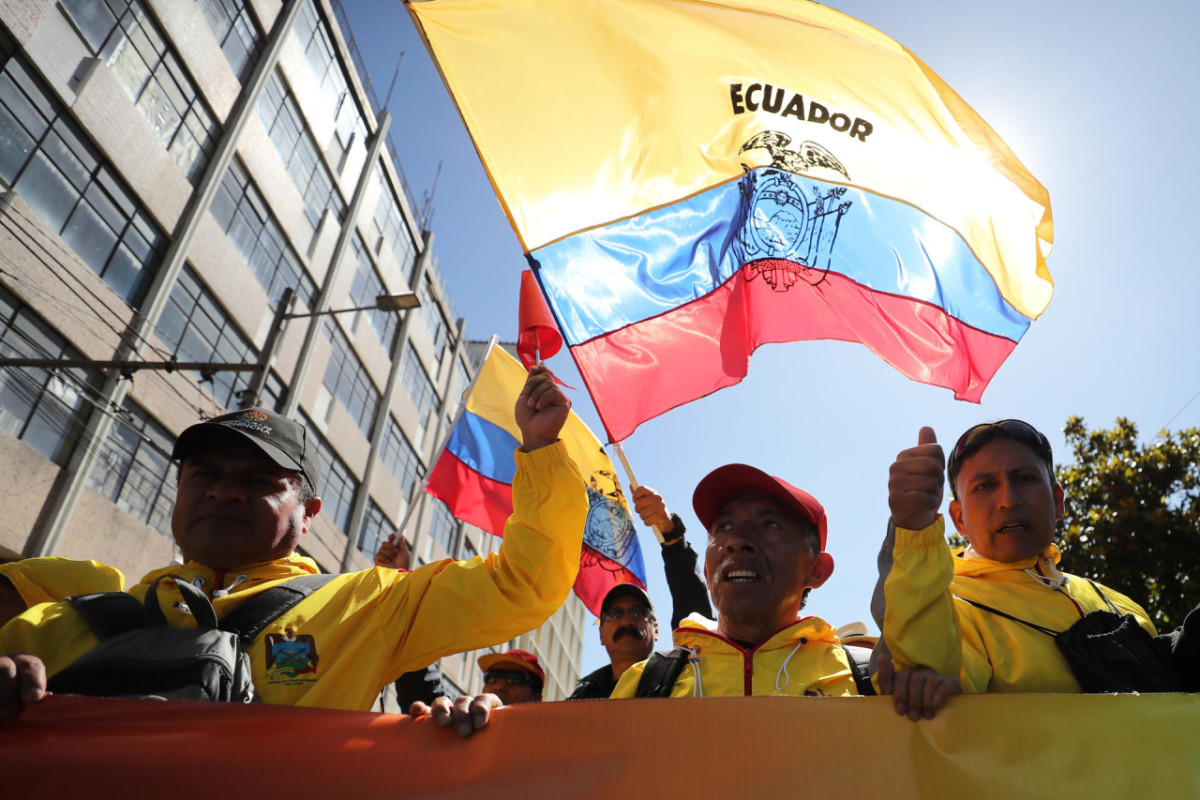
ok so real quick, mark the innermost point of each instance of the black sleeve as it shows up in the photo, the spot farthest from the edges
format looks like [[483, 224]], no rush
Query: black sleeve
[[423, 685], [689, 595]]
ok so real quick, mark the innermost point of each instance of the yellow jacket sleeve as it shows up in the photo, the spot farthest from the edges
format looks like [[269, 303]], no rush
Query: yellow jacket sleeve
[[627, 685], [454, 606], [920, 624]]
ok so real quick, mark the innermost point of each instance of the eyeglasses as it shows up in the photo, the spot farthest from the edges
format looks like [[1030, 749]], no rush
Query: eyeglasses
[[510, 676], [634, 612], [977, 436]]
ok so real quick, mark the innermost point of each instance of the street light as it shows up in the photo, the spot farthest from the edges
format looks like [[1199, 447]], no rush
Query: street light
[[384, 302]]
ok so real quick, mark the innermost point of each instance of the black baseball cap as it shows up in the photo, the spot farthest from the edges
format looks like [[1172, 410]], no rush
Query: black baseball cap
[[625, 590], [283, 440]]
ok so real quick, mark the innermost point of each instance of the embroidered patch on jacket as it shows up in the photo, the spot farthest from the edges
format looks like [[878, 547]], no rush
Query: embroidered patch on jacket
[[291, 658]]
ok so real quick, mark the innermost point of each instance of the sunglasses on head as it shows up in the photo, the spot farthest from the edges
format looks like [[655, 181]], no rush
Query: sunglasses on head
[[634, 612], [510, 676], [977, 436]]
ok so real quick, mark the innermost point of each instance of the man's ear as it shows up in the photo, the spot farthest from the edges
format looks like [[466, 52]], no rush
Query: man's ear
[[956, 516], [821, 570], [1060, 505], [312, 507]]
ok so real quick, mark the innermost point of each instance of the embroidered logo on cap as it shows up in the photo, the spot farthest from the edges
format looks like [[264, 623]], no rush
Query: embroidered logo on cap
[[252, 420]]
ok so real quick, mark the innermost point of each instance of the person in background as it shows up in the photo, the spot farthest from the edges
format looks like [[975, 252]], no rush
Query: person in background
[[628, 630]]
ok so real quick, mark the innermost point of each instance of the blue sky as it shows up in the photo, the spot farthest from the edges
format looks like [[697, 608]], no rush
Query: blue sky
[[1096, 98]]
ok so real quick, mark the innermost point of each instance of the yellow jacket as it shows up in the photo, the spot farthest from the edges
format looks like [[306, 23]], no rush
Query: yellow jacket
[[804, 658], [928, 624], [338, 647], [48, 580]]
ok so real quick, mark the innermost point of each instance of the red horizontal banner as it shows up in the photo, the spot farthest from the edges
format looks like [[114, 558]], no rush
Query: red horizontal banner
[[980, 746]]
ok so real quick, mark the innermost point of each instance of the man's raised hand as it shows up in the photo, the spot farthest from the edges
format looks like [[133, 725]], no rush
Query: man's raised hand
[[916, 481], [541, 409]]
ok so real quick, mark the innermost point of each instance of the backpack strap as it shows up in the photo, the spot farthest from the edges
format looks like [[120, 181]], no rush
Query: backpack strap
[[197, 604], [249, 619], [1104, 597], [661, 671], [860, 667], [1000, 613], [109, 613]]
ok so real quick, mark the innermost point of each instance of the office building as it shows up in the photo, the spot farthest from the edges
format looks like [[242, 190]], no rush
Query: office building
[[175, 179]]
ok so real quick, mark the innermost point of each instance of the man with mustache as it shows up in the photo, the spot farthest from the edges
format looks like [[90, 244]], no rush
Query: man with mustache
[[246, 499], [628, 629]]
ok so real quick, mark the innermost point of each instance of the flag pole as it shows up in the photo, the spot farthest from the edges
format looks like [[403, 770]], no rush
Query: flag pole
[[419, 492], [633, 483]]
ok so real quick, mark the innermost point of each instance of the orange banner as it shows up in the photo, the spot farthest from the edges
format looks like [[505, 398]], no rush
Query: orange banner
[[981, 746]]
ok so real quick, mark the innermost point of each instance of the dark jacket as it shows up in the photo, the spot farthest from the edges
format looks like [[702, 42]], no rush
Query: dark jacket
[[689, 595], [596, 685]]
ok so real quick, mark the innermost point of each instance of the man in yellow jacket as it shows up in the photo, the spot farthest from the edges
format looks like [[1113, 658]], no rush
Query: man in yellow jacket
[[1006, 503], [766, 551], [244, 503]]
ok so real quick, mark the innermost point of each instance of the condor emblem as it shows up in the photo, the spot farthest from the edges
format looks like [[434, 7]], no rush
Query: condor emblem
[[291, 656], [788, 224]]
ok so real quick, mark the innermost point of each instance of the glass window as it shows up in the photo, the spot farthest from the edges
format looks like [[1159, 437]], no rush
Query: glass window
[[281, 117], [338, 487], [390, 228], [401, 459], [420, 388], [435, 320], [337, 102], [443, 526], [468, 550], [376, 527], [45, 408], [241, 212], [195, 328], [366, 287], [122, 34], [134, 468], [348, 381], [235, 31], [49, 162]]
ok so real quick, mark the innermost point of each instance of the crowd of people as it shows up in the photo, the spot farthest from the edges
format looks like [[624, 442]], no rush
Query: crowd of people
[[999, 616]]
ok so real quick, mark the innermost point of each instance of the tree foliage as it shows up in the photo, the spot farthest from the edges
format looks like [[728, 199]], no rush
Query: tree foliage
[[1133, 515]]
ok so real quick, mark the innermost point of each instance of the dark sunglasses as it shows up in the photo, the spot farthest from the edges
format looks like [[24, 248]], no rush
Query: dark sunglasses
[[510, 676], [634, 612], [977, 436]]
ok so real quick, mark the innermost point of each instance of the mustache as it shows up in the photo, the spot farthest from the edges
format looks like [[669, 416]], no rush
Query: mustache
[[628, 630]]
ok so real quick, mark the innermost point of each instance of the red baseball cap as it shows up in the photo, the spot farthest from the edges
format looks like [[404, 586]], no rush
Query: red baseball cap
[[725, 483], [521, 659]]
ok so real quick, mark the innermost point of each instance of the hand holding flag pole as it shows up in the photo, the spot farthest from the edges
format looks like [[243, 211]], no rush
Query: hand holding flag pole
[[633, 483]]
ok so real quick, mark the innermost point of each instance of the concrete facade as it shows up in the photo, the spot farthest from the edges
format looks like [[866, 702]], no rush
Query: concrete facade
[[163, 177]]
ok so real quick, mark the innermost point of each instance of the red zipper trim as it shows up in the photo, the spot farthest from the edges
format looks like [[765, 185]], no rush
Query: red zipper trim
[[747, 653]]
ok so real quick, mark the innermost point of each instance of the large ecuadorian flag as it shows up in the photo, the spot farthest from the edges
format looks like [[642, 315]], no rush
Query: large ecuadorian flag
[[694, 179], [474, 476]]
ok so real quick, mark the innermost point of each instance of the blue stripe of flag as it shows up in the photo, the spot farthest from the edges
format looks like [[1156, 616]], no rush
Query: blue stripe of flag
[[484, 447], [607, 278]]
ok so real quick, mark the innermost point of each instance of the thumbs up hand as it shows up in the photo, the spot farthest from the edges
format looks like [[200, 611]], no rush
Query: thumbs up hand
[[916, 481]]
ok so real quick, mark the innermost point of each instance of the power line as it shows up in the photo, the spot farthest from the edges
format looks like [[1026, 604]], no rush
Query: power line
[[1181, 410]]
